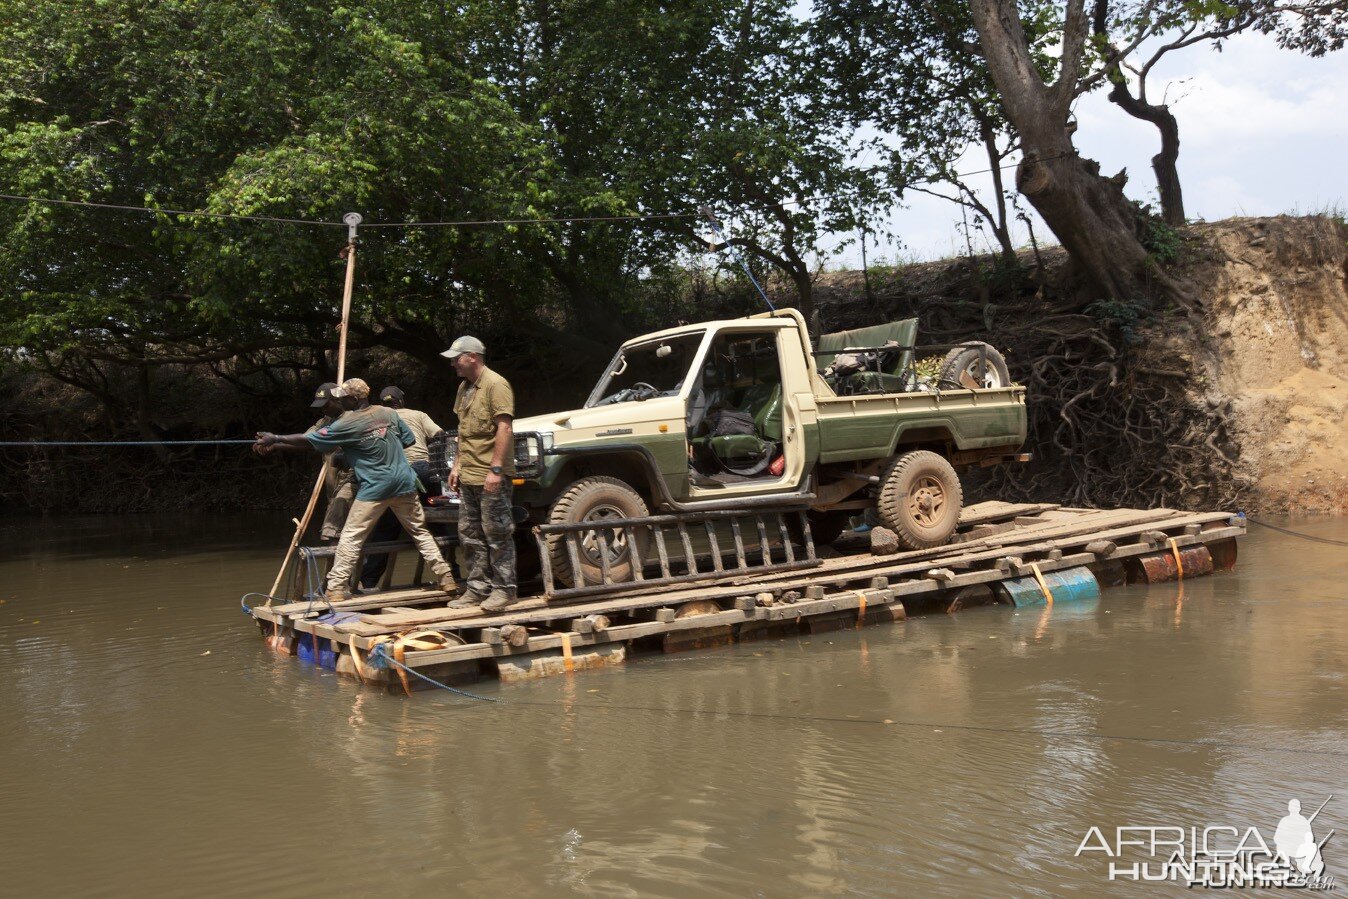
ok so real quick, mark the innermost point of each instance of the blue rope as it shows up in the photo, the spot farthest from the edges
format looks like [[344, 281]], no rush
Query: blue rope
[[380, 658], [120, 442], [247, 609], [316, 592], [716, 229]]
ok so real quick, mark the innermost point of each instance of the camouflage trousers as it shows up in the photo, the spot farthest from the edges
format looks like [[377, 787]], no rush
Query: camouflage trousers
[[487, 535], [340, 487]]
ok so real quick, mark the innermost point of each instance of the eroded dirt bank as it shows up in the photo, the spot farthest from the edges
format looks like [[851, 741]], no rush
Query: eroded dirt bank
[[1241, 402]]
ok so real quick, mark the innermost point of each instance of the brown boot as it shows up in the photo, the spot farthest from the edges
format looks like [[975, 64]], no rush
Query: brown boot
[[449, 585], [469, 600], [500, 600]]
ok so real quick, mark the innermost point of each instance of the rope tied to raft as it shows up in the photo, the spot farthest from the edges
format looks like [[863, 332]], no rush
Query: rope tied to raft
[[243, 601], [380, 658]]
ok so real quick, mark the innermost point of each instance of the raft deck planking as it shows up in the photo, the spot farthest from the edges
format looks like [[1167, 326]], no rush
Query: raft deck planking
[[860, 589]]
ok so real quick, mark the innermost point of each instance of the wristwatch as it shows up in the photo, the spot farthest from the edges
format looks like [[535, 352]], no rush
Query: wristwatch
[[496, 469]]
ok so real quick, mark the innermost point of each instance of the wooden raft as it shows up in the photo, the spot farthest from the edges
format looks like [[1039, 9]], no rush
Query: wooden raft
[[995, 542]]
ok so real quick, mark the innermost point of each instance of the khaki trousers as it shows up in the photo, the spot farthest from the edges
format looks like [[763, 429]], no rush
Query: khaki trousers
[[360, 521]]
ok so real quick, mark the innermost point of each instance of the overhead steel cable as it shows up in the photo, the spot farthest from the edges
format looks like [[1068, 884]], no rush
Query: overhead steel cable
[[122, 442], [117, 207], [460, 223]]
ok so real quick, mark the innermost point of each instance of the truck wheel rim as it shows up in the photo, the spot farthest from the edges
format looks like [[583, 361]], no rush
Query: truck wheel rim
[[617, 540], [926, 501], [989, 379]]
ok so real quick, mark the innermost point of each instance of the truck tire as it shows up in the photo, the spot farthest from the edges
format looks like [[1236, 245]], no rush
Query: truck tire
[[920, 499], [968, 357], [594, 499]]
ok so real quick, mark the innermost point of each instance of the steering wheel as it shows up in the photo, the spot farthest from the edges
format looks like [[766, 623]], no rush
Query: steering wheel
[[641, 390]]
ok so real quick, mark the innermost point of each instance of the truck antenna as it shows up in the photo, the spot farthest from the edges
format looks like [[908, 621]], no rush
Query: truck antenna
[[724, 242]]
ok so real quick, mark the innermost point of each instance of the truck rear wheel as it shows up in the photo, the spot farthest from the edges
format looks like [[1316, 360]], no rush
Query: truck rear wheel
[[596, 499], [982, 362], [920, 499]]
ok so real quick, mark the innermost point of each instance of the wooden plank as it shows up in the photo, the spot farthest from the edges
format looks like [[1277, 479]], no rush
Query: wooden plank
[[408, 596], [554, 641], [1082, 524], [421, 617], [997, 511]]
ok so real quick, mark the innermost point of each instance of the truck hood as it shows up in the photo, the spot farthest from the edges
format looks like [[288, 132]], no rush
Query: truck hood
[[582, 423]]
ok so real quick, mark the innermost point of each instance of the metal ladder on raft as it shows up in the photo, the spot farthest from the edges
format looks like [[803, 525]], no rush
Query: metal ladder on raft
[[752, 554]]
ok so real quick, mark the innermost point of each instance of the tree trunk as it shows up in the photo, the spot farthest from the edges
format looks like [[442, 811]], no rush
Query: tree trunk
[[1088, 213], [1001, 227], [1164, 162]]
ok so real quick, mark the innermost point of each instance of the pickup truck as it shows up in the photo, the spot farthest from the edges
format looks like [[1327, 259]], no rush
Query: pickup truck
[[747, 412]]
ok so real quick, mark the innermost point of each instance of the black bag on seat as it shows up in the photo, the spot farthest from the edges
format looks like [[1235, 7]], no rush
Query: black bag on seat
[[729, 422]]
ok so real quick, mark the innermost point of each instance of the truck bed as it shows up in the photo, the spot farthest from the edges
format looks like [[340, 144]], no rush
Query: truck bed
[[869, 426]]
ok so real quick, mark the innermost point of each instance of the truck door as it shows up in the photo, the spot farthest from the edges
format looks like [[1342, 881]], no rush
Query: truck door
[[742, 418]]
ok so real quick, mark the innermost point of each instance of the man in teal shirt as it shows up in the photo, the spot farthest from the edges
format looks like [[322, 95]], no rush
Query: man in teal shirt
[[372, 439]]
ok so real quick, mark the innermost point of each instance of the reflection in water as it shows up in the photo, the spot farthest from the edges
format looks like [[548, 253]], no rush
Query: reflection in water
[[966, 753]]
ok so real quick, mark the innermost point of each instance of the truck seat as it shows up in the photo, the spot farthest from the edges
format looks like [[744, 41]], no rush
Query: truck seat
[[903, 333], [764, 403]]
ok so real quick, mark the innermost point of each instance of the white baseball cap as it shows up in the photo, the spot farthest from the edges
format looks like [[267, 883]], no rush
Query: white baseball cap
[[465, 345]]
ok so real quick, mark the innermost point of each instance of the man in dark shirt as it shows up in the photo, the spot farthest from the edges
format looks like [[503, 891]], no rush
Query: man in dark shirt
[[372, 438]]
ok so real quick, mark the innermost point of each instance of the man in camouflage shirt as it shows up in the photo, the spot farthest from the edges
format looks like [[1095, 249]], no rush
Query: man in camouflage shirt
[[484, 463]]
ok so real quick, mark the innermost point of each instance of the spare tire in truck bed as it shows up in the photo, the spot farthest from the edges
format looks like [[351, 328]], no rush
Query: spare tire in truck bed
[[981, 360]]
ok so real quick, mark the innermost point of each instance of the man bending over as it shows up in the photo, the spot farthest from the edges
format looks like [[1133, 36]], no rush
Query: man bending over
[[372, 438]]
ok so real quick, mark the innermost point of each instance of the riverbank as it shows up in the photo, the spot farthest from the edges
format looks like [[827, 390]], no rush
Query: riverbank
[[1238, 402]]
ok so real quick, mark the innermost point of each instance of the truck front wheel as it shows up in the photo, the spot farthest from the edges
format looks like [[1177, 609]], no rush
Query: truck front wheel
[[920, 499], [596, 499]]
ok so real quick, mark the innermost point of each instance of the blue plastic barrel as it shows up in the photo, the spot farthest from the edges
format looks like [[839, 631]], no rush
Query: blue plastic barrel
[[1067, 586], [327, 656]]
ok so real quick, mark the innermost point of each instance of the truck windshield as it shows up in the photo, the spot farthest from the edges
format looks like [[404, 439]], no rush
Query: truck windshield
[[647, 370]]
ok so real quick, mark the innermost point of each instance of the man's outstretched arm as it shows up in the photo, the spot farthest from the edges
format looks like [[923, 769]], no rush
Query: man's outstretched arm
[[267, 442]]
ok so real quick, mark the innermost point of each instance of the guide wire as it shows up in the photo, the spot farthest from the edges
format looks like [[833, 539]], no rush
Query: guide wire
[[123, 442], [1274, 527]]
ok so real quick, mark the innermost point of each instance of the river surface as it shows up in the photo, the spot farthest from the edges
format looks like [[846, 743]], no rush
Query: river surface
[[153, 746]]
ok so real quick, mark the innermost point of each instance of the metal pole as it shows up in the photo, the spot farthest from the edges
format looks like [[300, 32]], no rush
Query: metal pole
[[352, 219]]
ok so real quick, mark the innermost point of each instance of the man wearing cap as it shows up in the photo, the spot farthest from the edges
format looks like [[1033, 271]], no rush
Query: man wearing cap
[[372, 438], [484, 462], [339, 485], [423, 428]]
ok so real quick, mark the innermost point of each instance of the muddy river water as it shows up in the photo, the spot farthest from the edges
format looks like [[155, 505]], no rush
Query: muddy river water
[[152, 745]]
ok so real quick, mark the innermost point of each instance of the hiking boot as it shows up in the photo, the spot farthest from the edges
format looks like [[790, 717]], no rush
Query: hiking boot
[[500, 600], [449, 585], [468, 600], [337, 594]]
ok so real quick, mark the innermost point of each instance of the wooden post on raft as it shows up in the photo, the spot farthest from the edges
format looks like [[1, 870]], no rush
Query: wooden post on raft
[[352, 219]]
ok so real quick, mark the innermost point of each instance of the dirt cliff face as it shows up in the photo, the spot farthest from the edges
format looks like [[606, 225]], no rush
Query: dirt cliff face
[[1241, 403], [1276, 296]]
